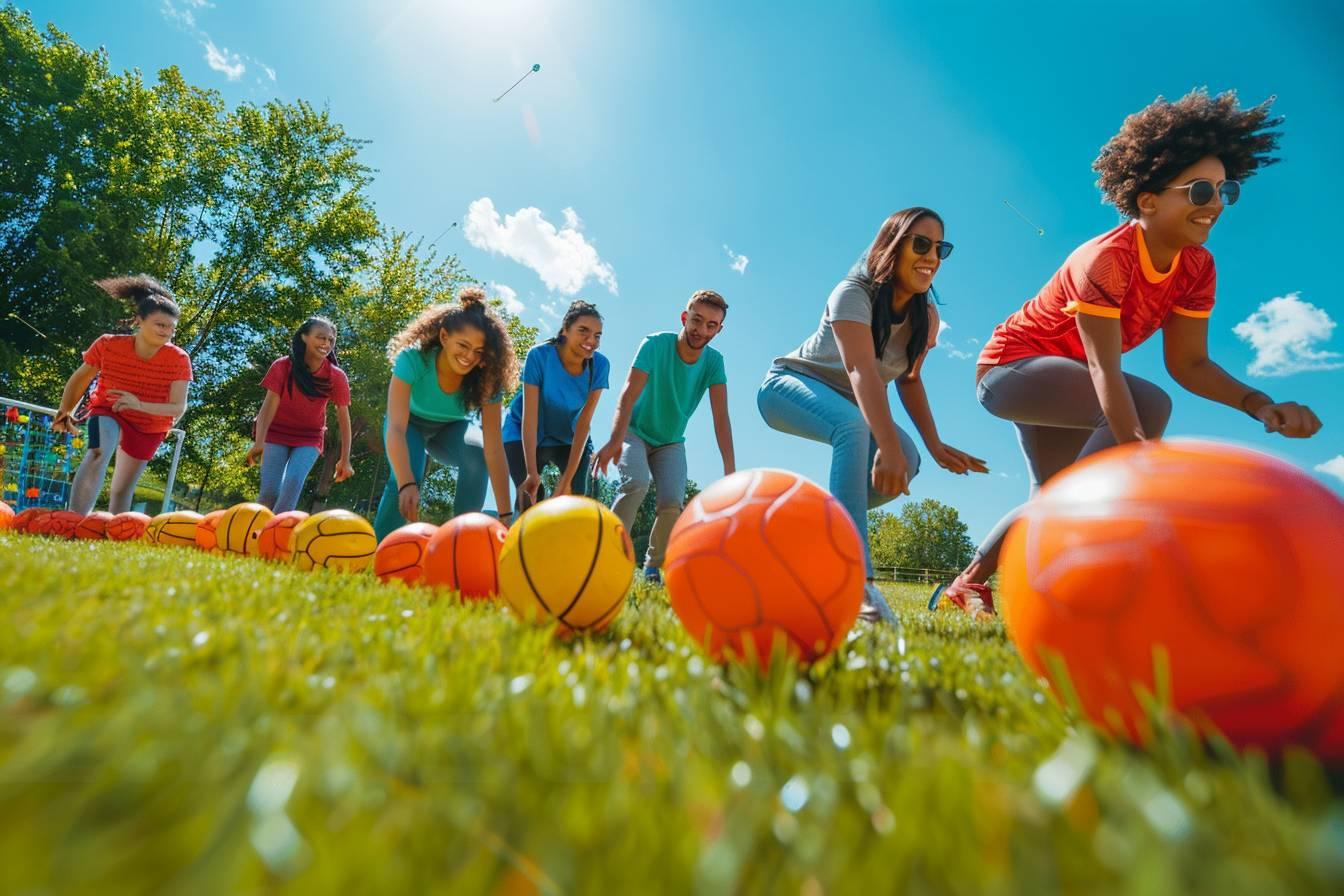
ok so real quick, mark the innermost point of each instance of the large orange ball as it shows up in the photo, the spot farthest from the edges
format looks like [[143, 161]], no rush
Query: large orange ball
[[402, 553], [94, 525], [205, 532], [6, 515], [1217, 563], [765, 556], [273, 540], [24, 520], [127, 526], [463, 556], [58, 524]]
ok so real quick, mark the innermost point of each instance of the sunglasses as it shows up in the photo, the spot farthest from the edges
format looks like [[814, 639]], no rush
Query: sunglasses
[[922, 245], [1201, 192]]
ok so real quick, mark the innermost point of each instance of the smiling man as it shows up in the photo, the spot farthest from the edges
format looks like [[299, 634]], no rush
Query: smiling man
[[1053, 368], [671, 373]]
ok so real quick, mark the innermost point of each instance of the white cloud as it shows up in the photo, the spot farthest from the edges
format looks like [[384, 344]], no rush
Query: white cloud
[[950, 346], [1284, 332], [562, 258], [1333, 467], [739, 262], [943, 327], [508, 296], [270, 72], [229, 64], [551, 309]]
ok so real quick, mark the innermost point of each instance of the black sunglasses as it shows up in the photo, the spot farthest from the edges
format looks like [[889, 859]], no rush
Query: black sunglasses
[[922, 244], [1201, 191]]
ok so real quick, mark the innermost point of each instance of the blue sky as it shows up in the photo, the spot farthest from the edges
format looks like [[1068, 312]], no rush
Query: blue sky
[[787, 132]]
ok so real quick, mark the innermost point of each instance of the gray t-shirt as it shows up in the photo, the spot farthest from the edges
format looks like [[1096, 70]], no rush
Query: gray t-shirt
[[819, 355]]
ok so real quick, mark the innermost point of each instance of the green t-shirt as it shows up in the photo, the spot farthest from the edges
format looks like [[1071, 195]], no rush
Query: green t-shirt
[[674, 388], [428, 401]]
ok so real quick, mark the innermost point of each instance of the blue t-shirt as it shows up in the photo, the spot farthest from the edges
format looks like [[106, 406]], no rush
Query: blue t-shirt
[[562, 395], [674, 388]]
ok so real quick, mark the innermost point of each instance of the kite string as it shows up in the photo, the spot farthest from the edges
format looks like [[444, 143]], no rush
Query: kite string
[[1040, 231], [515, 84]]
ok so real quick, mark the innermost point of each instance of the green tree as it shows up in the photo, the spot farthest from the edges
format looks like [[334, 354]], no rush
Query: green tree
[[925, 534]]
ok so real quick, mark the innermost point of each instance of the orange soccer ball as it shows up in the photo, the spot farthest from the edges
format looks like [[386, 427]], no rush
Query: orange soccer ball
[[463, 556], [1212, 562], [764, 557], [128, 526], [273, 542], [94, 525], [401, 554], [205, 532]]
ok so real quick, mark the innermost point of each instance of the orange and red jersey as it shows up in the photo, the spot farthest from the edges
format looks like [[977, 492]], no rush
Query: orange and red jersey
[[1113, 276]]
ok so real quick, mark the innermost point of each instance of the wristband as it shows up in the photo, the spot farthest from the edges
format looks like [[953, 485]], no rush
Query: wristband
[[406, 486], [1249, 395]]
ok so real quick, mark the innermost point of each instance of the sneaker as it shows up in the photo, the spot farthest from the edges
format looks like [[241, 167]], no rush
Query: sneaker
[[652, 575], [965, 595], [875, 607]]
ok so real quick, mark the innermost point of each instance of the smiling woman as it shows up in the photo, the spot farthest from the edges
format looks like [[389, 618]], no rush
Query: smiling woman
[[451, 363]]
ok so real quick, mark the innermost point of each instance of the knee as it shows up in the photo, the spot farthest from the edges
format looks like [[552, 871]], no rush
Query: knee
[[912, 461], [1158, 413], [635, 486]]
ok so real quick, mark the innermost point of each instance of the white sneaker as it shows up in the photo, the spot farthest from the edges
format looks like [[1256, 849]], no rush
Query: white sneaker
[[875, 607]]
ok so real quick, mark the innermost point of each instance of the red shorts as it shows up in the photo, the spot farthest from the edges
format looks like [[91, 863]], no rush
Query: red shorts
[[136, 443]]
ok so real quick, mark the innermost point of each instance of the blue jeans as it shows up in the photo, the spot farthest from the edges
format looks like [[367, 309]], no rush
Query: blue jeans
[[803, 406], [283, 470], [453, 444]]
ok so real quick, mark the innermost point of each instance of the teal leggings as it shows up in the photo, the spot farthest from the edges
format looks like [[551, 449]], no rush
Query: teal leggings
[[453, 444]]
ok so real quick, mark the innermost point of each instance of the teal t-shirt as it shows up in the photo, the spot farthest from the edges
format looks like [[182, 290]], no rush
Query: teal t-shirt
[[428, 401], [674, 388]]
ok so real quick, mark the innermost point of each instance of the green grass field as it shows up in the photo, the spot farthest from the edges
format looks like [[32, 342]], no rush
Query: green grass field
[[172, 722]]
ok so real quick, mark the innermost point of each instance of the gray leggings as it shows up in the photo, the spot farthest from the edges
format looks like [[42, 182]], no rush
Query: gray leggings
[[1054, 406]]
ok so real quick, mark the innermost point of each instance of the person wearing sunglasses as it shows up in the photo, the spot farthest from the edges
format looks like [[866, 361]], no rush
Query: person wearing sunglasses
[[877, 326], [1053, 368]]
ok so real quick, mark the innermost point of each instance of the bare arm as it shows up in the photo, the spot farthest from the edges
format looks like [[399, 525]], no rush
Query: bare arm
[[581, 428], [915, 399], [723, 427], [74, 388], [495, 462], [625, 409], [531, 407], [398, 418], [1101, 342], [1185, 345], [174, 407], [269, 405], [343, 469], [890, 473]]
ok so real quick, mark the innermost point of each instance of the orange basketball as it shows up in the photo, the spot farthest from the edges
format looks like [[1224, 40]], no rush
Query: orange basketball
[[1212, 562], [463, 556], [205, 532], [94, 525], [24, 519], [273, 541], [58, 524], [764, 557], [6, 515], [401, 553], [127, 526]]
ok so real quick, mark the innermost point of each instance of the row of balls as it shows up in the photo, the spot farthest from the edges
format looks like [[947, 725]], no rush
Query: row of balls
[[567, 560]]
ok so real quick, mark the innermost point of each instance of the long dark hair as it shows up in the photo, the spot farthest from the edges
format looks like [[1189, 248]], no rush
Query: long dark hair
[[577, 309], [498, 370], [880, 269], [299, 374], [142, 294]]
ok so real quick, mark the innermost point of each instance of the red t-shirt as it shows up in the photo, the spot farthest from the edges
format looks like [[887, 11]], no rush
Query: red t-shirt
[[119, 367], [302, 421], [1109, 276]]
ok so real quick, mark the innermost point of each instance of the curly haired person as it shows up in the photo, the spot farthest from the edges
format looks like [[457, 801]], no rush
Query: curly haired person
[[1053, 368]]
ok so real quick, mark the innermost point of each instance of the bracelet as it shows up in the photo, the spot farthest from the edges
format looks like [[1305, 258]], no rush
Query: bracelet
[[406, 486], [1252, 394]]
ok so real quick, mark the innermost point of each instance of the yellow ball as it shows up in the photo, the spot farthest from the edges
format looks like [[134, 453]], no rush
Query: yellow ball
[[336, 539], [568, 559], [175, 527], [237, 530]]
